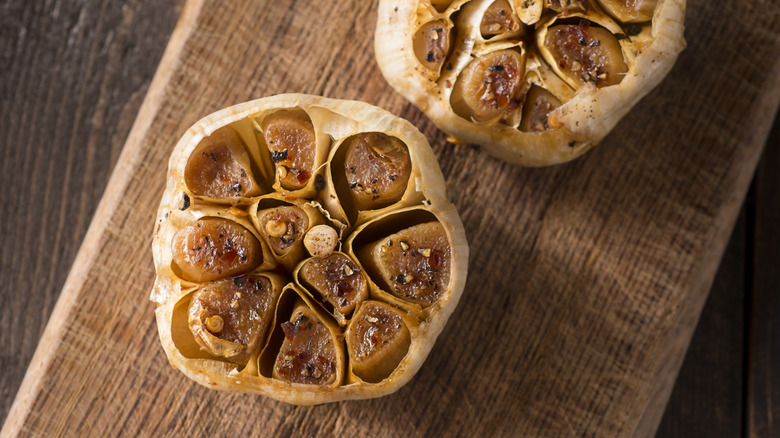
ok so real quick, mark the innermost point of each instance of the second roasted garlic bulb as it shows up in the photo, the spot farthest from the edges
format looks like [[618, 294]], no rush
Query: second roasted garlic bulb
[[535, 82]]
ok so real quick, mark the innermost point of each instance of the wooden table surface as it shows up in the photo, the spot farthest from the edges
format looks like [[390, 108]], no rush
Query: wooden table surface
[[74, 75]]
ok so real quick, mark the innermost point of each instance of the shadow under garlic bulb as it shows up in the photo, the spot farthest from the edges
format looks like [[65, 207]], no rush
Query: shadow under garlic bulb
[[290, 288], [473, 67]]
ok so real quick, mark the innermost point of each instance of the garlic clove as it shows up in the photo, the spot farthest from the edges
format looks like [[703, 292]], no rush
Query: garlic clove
[[377, 340], [219, 168], [229, 317], [213, 248], [337, 280]]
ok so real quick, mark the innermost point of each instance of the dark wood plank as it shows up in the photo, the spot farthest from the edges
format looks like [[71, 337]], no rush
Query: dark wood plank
[[707, 399], [763, 365], [74, 74], [123, 384]]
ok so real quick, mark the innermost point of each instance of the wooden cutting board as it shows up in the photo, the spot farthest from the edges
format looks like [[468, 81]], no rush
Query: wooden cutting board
[[586, 279]]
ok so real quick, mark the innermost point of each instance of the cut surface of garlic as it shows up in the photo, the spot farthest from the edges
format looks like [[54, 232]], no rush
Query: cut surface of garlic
[[535, 82], [328, 274]]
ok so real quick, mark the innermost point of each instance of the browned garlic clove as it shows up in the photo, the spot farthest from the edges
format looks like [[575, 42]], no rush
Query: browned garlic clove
[[213, 248], [413, 264], [585, 54], [339, 282], [499, 19], [219, 167], [308, 354], [538, 104], [432, 44], [377, 169], [630, 11], [377, 341], [283, 228], [291, 139], [488, 86], [229, 318]]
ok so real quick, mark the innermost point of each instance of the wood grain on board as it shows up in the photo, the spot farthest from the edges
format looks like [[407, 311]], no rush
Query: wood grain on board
[[74, 73], [586, 280]]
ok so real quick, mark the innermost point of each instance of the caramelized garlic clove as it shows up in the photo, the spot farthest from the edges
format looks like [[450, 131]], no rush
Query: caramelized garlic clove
[[291, 139], [230, 317], [488, 86], [630, 11], [538, 104], [219, 167], [377, 168], [584, 54], [337, 279], [412, 264], [377, 340], [283, 228], [308, 353], [212, 248], [499, 19], [432, 43]]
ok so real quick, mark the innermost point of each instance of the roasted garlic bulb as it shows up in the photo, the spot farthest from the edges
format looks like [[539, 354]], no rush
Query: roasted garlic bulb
[[305, 250], [535, 82]]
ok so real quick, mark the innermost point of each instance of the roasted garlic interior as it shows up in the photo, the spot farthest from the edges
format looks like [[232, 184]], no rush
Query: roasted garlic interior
[[305, 250], [535, 82]]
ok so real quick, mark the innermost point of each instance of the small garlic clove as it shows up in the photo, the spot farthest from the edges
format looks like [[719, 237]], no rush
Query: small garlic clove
[[337, 280], [219, 167], [284, 227], [412, 264], [630, 11], [538, 104], [377, 169], [488, 85], [321, 240], [377, 341], [499, 19], [213, 248], [585, 54], [308, 352], [432, 43], [291, 139], [230, 317]]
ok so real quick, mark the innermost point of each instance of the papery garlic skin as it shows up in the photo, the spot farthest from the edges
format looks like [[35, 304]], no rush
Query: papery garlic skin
[[587, 112]]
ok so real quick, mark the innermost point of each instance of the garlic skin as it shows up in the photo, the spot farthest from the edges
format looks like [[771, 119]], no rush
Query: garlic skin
[[587, 113], [188, 333]]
